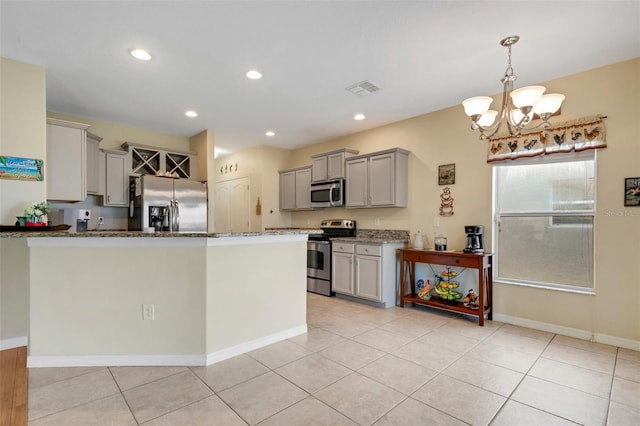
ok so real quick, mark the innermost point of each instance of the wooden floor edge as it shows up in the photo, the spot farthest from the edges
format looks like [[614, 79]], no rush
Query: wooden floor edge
[[14, 387]]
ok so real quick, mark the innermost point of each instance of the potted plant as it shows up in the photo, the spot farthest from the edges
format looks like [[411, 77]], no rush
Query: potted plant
[[36, 214]]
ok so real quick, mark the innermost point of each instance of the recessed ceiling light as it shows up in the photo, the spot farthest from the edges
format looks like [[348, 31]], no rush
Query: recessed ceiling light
[[253, 75], [359, 117], [141, 54], [270, 133], [191, 114]]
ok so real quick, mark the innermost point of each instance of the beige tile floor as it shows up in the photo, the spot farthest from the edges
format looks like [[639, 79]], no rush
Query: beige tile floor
[[360, 365]]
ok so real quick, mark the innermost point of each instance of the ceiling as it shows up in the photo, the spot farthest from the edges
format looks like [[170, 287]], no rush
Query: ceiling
[[424, 55]]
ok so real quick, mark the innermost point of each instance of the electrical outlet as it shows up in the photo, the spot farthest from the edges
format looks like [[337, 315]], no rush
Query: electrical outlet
[[100, 220], [436, 222], [148, 312], [376, 221]]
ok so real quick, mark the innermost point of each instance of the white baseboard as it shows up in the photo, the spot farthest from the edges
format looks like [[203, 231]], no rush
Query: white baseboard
[[568, 331], [114, 360], [251, 345], [15, 342], [36, 361]]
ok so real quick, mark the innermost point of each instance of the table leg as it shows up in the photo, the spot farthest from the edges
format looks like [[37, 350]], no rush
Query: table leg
[[481, 295], [403, 273]]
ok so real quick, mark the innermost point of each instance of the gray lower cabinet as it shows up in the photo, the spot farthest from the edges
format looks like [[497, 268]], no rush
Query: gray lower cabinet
[[365, 270]]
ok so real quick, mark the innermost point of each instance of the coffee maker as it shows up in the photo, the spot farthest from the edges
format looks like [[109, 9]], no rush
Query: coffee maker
[[475, 242]]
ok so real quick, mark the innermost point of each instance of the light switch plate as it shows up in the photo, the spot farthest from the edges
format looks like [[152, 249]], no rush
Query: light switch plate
[[148, 312]]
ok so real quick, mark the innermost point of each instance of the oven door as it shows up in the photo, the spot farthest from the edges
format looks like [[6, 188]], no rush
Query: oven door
[[319, 259]]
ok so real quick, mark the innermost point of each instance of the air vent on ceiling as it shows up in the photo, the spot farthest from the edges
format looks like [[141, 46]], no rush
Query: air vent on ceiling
[[363, 88]]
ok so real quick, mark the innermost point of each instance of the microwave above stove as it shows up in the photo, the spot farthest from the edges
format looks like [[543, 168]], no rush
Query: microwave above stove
[[327, 194]]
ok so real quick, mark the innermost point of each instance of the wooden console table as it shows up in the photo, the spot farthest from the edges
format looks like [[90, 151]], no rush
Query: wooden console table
[[481, 262]]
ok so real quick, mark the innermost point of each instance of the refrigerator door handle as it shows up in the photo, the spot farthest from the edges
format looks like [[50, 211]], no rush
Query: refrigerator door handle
[[177, 216], [172, 216]]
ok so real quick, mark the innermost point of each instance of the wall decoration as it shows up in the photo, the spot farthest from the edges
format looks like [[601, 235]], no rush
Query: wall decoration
[[632, 192], [447, 174], [17, 168], [228, 168], [446, 202]]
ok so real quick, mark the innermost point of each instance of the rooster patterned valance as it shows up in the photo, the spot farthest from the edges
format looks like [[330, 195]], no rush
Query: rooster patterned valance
[[575, 135]]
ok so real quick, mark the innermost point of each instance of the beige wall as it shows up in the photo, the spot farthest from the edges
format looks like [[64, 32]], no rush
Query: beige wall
[[22, 134], [261, 165], [75, 311], [114, 135], [444, 137]]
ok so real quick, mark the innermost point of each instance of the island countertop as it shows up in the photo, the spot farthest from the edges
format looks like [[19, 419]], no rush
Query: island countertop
[[140, 234]]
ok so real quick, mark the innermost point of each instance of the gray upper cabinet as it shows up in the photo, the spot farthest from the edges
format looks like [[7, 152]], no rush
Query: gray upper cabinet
[[330, 165], [66, 165], [93, 164], [295, 189], [116, 178], [379, 179]]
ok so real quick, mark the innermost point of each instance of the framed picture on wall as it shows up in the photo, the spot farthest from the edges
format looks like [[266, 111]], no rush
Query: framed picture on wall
[[18, 168], [447, 174], [632, 192]]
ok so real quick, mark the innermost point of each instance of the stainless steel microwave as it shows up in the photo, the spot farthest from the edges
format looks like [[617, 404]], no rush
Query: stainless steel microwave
[[327, 194]]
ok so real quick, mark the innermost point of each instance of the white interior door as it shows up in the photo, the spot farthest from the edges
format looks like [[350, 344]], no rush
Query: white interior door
[[232, 206]]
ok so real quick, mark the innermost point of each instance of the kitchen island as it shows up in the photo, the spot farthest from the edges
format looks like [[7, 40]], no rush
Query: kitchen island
[[133, 298]]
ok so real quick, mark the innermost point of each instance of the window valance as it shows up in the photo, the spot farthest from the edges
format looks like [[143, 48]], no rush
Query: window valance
[[575, 135]]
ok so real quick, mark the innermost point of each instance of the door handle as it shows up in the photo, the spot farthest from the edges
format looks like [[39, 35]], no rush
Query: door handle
[[177, 215]]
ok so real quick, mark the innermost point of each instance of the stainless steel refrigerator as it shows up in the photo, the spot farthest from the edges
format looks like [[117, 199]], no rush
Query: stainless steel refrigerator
[[167, 204]]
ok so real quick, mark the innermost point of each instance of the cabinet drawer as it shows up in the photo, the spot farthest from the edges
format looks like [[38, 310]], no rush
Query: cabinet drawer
[[369, 249], [468, 261], [342, 247]]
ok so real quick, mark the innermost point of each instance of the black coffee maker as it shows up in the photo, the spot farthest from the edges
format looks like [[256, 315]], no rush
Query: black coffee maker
[[475, 241]]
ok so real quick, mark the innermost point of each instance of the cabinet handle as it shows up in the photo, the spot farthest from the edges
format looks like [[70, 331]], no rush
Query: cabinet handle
[[108, 199]]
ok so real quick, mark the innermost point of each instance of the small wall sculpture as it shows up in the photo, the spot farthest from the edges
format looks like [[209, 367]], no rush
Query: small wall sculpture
[[446, 202]]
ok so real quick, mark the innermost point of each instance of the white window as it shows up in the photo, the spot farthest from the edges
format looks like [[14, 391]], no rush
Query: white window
[[544, 210]]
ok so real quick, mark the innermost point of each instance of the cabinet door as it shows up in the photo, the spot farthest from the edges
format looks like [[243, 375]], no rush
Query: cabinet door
[[382, 180], [319, 169], [356, 182], [303, 188], [335, 166], [93, 168], [342, 273], [368, 283], [116, 181], [65, 167], [288, 190]]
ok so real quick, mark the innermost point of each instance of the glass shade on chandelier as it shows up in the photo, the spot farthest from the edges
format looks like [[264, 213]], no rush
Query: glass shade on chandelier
[[518, 106]]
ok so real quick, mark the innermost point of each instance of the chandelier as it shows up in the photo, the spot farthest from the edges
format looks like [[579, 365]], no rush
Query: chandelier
[[518, 106]]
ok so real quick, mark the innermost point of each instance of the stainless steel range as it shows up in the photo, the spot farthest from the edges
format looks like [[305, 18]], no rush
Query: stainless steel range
[[319, 253]]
